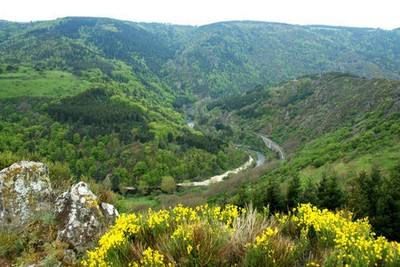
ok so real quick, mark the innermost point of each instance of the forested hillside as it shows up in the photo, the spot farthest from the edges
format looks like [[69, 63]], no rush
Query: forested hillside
[[296, 112], [341, 134], [221, 57], [136, 110], [97, 96]]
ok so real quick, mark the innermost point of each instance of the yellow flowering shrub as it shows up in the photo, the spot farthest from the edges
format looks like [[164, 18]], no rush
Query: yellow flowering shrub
[[353, 241], [190, 232], [151, 258], [125, 226], [203, 236]]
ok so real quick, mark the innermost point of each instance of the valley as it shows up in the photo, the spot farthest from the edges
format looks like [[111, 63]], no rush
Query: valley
[[151, 116]]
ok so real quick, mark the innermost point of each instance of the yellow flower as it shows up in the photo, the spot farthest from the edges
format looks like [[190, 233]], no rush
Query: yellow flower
[[189, 249], [265, 237], [152, 258]]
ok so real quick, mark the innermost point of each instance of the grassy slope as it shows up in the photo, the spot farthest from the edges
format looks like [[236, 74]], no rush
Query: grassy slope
[[50, 83], [386, 158]]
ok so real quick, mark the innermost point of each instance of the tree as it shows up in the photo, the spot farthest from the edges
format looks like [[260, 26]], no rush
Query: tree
[[273, 196], [120, 175], [329, 193], [140, 169], [365, 192], [168, 184], [357, 195], [293, 192], [309, 193], [387, 219], [143, 187], [12, 68], [222, 160]]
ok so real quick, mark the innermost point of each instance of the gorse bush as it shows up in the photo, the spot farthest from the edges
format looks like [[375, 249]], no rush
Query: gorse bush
[[215, 236]]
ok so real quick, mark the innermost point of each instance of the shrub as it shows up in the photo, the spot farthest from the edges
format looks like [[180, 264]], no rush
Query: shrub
[[215, 236]]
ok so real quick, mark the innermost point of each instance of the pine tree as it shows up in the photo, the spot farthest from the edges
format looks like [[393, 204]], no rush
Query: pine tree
[[293, 192], [387, 219], [273, 197], [309, 193], [358, 200], [330, 195]]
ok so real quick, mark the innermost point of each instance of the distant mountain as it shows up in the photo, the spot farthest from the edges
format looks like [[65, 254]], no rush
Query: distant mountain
[[217, 58]]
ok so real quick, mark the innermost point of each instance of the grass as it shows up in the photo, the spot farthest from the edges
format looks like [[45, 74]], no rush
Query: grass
[[32, 243], [27, 81], [135, 204], [385, 158]]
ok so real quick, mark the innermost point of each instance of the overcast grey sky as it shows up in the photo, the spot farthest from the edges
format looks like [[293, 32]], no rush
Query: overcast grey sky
[[376, 14]]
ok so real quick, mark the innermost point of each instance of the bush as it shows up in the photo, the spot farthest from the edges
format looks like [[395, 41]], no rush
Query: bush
[[213, 236]]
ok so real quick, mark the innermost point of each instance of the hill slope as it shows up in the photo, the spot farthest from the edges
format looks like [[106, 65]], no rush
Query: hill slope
[[298, 111], [221, 57], [342, 135]]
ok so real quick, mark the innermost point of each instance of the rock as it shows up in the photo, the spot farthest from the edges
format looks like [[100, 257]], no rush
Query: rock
[[69, 257], [81, 218], [25, 190]]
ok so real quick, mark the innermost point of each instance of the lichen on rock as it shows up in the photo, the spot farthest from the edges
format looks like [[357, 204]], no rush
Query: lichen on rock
[[25, 190], [81, 218]]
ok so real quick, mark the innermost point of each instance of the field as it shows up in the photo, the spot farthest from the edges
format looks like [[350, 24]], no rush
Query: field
[[28, 81], [134, 204]]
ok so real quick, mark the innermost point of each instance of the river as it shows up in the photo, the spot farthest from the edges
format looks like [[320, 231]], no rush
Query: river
[[219, 178], [260, 159]]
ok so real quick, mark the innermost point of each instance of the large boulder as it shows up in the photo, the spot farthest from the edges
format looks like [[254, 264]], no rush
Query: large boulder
[[25, 191], [81, 217]]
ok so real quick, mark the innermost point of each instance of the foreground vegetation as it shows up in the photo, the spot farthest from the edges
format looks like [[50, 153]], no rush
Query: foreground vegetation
[[215, 236]]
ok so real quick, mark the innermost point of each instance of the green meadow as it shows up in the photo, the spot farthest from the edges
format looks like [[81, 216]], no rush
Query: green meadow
[[26, 81]]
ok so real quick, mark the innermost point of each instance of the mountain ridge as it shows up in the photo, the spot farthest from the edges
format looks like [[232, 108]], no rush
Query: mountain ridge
[[218, 58]]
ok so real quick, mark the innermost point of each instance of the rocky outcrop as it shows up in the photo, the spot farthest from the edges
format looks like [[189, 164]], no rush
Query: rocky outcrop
[[81, 217], [25, 191]]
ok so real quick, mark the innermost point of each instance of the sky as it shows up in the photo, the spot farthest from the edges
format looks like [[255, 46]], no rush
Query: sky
[[356, 13]]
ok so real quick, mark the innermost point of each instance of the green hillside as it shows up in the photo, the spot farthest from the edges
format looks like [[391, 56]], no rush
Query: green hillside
[[30, 81], [105, 96], [297, 111], [221, 57], [109, 102], [105, 90], [336, 129]]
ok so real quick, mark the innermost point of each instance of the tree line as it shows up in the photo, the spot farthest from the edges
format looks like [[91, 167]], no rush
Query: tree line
[[370, 194]]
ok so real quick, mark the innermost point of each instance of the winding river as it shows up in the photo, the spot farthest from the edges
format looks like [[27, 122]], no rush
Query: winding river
[[260, 161]]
